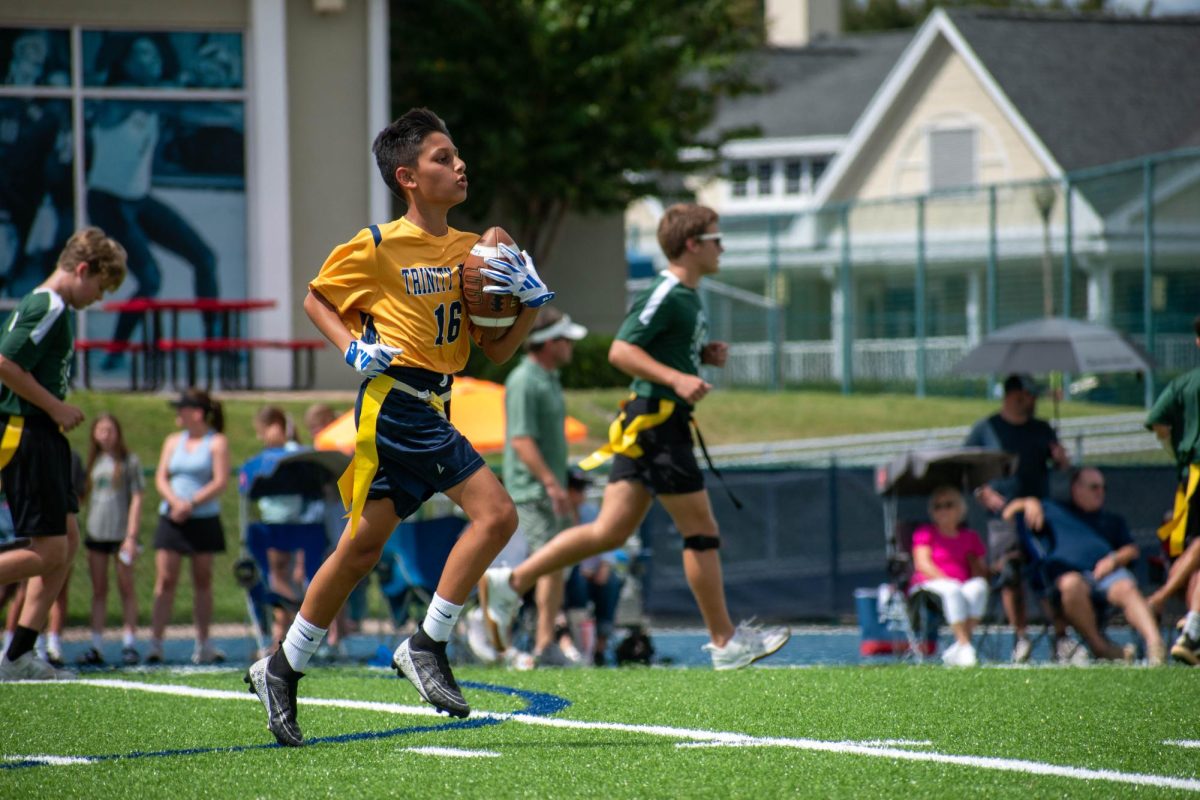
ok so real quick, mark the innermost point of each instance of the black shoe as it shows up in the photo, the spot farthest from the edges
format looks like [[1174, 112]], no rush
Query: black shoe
[[129, 656], [278, 696], [92, 657], [55, 662], [423, 662], [1186, 650]]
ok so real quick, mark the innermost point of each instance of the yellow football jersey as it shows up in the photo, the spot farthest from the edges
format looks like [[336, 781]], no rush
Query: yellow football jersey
[[406, 284]]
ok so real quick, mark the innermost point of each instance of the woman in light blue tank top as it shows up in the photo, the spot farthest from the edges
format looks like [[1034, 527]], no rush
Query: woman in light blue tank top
[[192, 473]]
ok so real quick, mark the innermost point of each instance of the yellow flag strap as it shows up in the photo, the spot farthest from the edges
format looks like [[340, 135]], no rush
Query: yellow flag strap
[[1174, 531], [10, 439], [356, 480], [622, 438]]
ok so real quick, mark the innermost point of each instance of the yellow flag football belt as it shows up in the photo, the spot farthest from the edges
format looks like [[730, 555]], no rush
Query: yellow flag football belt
[[622, 438], [356, 480], [1174, 531], [10, 439]]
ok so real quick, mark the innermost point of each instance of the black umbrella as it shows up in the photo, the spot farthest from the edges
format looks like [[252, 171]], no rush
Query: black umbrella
[[919, 472], [1054, 344]]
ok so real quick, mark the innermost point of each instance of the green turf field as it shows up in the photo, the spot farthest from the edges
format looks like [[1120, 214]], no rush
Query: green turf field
[[855, 732]]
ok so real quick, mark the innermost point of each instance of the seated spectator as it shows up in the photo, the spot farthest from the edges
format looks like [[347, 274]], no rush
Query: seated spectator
[[596, 580], [948, 561], [1088, 554], [275, 430]]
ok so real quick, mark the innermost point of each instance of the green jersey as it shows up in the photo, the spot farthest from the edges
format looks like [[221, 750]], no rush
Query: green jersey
[[533, 407], [1179, 407], [39, 336], [668, 322]]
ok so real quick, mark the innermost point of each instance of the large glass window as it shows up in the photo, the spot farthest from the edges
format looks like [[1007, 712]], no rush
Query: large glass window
[[139, 132]]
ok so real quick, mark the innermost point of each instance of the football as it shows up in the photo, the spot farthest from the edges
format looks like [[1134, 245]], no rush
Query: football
[[487, 310]]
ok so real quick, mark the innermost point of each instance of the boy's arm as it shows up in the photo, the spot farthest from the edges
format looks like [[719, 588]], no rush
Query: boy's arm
[[327, 320], [21, 381], [503, 347], [636, 362], [368, 356]]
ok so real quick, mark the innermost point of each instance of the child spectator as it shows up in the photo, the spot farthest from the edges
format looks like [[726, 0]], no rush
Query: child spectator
[[115, 491], [275, 430]]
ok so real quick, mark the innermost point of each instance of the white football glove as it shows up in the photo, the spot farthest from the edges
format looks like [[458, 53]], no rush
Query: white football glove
[[516, 275], [370, 358]]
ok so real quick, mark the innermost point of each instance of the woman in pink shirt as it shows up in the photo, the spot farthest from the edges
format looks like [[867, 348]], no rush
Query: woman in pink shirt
[[948, 559]]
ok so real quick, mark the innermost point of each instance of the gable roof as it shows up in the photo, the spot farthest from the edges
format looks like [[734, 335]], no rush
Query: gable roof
[[1081, 90], [1096, 89], [817, 90]]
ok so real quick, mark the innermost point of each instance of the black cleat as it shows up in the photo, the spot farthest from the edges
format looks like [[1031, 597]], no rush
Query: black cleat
[[278, 696], [423, 662], [1186, 650]]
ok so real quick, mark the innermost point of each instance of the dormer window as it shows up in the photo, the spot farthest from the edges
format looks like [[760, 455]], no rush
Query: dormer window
[[952, 161]]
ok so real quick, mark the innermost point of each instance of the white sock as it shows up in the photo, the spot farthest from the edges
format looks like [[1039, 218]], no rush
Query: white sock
[[39, 646], [440, 618], [302, 640], [97, 640], [7, 640], [1192, 626], [129, 638]]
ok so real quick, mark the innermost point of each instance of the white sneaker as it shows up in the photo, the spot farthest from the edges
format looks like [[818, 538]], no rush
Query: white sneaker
[[748, 644], [207, 654], [950, 654], [479, 641], [966, 656], [1067, 651], [31, 668], [500, 604], [1022, 650]]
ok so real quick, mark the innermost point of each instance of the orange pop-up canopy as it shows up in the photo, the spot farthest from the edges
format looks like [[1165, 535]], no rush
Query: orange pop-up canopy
[[476, 409]]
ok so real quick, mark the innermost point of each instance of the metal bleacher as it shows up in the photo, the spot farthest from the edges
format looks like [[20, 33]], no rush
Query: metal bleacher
[[1082, 436]]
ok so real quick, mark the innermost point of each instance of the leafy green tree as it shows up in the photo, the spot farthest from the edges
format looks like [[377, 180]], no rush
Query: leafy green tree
[[564, 106]]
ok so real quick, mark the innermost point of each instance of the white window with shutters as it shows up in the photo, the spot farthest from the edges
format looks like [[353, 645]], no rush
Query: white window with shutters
[[952, 158]]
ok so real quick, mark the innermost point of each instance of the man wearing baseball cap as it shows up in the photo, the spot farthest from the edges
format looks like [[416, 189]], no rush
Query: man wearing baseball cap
[[535, 459], [1015, 429]]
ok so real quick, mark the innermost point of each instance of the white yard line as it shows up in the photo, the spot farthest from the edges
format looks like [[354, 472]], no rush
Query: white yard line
[[695, 736], [449, 752]]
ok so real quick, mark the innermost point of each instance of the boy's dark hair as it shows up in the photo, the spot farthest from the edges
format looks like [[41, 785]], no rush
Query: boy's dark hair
[[399, 144], [681, 222], [102, 254]]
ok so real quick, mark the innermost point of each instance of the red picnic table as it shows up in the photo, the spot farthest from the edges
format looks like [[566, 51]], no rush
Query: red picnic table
[[231, 351]]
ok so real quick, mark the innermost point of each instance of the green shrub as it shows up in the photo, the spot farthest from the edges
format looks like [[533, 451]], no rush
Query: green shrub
[[589, 369]]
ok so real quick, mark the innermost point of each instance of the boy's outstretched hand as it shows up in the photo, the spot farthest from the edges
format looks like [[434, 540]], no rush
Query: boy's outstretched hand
[[515, 274], [370, 358]]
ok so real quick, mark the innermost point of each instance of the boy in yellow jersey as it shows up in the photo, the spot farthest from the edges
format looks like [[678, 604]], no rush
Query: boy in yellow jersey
[[391, 300]]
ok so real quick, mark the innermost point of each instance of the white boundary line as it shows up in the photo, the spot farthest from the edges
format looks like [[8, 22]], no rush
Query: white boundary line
[[693, 736]]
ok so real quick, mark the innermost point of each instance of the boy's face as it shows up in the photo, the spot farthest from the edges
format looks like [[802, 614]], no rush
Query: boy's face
[[87, 287], [439, 176]]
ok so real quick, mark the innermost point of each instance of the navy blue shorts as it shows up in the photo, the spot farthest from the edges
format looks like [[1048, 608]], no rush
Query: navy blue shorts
[[420, 452]]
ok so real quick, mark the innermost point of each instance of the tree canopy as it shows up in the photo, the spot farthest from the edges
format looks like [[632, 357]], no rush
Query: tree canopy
[[571, 105]]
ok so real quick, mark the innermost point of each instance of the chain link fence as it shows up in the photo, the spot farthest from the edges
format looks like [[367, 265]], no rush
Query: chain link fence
[[891, 293]]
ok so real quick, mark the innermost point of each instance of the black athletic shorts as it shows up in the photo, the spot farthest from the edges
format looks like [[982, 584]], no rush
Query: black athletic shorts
[[193, 535], [667, 464], [37, 480], [108, 548]]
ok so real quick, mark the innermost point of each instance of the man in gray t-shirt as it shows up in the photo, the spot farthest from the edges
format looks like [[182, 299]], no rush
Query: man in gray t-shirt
[[535, 457]]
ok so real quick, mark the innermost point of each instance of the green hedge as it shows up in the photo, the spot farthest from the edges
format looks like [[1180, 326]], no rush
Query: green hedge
[[589, 369]]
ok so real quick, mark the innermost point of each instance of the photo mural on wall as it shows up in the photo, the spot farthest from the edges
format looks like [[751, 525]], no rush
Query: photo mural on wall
[[141, 133]]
